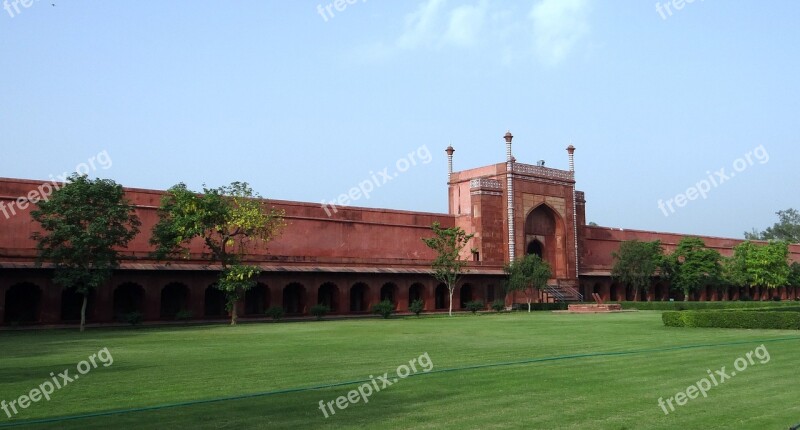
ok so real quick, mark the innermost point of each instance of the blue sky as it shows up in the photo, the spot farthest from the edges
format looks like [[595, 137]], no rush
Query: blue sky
[[305, 106]]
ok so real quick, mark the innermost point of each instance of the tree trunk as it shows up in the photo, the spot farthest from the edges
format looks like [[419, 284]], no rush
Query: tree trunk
[[529, 305], [83, 310], [450, 312], [686, 295], [635, 294], [234, 316]]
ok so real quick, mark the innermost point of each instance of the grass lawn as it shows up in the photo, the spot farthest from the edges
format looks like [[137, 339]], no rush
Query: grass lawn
[[159, 366]]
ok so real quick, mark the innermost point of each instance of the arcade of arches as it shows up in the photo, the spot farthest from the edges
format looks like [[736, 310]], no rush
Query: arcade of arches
[[39, 301]]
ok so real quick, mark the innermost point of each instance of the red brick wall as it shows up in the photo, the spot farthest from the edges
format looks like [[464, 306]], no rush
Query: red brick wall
[[356, 236], [600, 242]]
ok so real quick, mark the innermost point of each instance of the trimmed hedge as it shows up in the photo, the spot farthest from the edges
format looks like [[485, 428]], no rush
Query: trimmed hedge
[[679, 306], [673, 319], [768, 319]]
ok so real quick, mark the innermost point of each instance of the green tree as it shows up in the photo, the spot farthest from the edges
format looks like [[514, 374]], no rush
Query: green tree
[[84, 224], [230, 221], [755, 265], [692, 266], [794, 274], [448, 264], [787, 228], [636, 263], [527, 274]]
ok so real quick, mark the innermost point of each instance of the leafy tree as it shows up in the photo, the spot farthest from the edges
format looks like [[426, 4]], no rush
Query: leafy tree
[[636, 263], [794, 274], [234, 281], [527, 274], [448, 264], [84, 224], [692, 266], [229, 220], [755, 265], [787, 228]]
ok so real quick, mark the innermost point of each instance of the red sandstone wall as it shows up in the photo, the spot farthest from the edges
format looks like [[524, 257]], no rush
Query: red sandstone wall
[[600, 242], [352, 236]]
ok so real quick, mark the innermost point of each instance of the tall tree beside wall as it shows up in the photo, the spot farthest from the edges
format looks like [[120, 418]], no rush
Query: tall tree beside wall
[[230, 221], [692, 266], [448, 265], [764, 266], [84, 224], [636, 263], [787, 228], [794, 274]]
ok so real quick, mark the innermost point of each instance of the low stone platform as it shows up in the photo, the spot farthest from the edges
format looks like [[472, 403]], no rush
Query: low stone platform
[[594, 308]]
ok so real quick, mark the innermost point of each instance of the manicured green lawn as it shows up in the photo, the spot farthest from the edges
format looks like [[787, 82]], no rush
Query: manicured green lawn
[[158, 366]]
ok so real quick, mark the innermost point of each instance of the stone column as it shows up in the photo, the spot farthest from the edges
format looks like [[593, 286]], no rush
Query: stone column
[[50, 302], [510, 195]]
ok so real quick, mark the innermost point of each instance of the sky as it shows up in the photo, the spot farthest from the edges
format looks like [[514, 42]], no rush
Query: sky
[[692, 104]]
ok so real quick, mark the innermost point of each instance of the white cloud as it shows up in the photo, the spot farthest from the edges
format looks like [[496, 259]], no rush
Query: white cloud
[[467, 24], [421, 28], [558, 25], [554, 27]]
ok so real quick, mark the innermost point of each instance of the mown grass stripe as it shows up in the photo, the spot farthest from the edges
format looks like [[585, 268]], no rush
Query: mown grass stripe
[[360, 381]]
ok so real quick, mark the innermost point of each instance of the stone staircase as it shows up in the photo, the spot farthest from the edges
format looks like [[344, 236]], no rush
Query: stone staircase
[[565, 290]]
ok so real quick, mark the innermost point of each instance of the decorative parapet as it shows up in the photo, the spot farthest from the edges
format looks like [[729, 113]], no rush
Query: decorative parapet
[[544, 172], [490, 184]]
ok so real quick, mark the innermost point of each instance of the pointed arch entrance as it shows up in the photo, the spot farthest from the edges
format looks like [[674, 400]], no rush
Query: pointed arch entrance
[[545, 236]]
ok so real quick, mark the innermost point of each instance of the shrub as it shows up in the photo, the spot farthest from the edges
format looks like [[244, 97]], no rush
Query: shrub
[[183, 315], [776, 299], [384, 308], [133, 318], [275, 312], [498, 305], [320, 310], [475, 306], [745, 298], [417, 306]]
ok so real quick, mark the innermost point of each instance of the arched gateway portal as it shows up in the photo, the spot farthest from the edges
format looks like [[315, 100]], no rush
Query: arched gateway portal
[[545, 236]]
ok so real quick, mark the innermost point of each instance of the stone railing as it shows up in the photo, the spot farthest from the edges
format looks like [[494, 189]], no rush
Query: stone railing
[[544, 172], [485, 183]]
